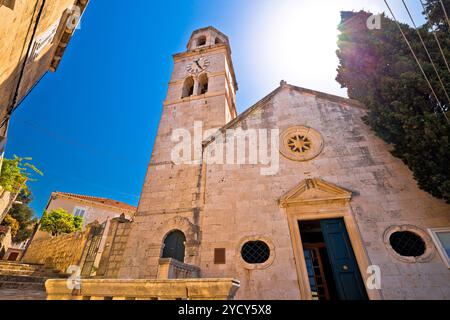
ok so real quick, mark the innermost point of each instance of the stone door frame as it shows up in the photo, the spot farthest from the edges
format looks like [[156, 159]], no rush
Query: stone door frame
[[315, 199]]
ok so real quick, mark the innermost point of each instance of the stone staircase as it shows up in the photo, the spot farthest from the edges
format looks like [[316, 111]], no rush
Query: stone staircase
[[24, 281]]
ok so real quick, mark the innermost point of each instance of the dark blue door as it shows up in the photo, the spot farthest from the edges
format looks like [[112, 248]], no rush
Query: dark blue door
[[174, 246], [349, 283]]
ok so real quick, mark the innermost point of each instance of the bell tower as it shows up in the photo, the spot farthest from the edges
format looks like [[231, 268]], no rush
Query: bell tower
[[203, 83], [202, 90]]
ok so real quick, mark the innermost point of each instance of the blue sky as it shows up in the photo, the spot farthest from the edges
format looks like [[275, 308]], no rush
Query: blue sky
[[90, 126]]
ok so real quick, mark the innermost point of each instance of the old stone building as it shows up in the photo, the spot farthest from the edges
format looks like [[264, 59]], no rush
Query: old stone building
[[33, 38], [84, 248], [310, 204], [34, 35], [89, 208]]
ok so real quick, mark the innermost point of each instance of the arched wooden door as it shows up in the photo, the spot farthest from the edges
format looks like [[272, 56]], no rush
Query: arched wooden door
[[174, 246]]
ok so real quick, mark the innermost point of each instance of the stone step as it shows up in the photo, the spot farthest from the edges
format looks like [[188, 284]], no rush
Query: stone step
[[22, 286], [19, 272], [11, 268], [47, 274], [18, 263], [19, 266], [16, 278], [24, 294]]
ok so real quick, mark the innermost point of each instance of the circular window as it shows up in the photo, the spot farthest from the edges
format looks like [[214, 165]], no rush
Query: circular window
[[407, 244], [301, 143], [255, 252]]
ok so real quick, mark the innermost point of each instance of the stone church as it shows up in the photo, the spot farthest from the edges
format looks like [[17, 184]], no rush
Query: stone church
[[321, 211]]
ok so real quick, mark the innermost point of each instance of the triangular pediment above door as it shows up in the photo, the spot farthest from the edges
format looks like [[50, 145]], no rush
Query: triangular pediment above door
[[313, 191]]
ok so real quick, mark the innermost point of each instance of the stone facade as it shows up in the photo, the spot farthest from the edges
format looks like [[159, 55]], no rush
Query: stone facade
[[32, 34], [384, 194], [219, 207]]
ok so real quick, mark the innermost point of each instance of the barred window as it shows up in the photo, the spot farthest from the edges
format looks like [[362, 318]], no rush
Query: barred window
[[407, 244], [255, 252]]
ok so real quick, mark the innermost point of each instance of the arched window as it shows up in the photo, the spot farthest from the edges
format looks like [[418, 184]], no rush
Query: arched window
[[174, 245], [188, 87], [203, 84], [201, 41], [218, 41]]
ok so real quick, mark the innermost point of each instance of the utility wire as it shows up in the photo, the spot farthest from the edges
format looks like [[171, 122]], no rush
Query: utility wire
[[435, 36], [22, 71], [426, 50], [445, 13], [417, 60]]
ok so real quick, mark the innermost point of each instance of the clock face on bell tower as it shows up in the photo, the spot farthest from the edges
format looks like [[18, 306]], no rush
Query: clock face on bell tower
[[203, 84], [198, 65]]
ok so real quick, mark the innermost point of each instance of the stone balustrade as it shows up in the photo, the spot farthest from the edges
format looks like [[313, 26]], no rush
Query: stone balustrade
[[174, 269], [121, 289]]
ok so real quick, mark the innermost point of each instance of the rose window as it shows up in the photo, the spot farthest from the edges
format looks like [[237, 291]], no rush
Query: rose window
[[301, 143]]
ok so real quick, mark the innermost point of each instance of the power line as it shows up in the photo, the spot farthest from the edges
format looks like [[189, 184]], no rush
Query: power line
[[435, 36], [22, 71], [417, 60], [426, 50]]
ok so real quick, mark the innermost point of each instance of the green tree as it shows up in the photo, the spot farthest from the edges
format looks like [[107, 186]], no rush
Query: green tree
[[14, 176], [60, 221], [378, 69], [433, 10], [15, 173], [24, 215], [12, 223]]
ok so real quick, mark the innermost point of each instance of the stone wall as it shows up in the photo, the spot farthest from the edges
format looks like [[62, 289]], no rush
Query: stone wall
[[58, 252], [113, 249]]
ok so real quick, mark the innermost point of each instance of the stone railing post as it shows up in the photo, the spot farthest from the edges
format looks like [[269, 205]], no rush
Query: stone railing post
[[172, 269]]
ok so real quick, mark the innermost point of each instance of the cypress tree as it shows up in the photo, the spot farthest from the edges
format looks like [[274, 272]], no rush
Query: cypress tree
[[378, 69]]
